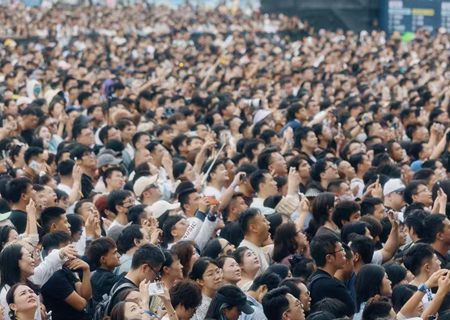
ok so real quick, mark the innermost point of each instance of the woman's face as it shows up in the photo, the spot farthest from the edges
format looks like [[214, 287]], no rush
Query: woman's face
[[134, 295], [13, 236], [195, 257], [386, 290], [57, 110], [20, 160], [250, 262], [176, 269], [24, 299], [231, 314], [26, 264], [231, 271], [227, 248], [12, 107], [132, 311], [300, 239], [212, 277], [45, 134], [189, 173]]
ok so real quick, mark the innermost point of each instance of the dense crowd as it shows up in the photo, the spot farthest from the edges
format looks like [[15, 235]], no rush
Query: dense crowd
[[192, 163]]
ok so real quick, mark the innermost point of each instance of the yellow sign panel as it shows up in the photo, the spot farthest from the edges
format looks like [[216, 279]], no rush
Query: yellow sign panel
[[423, 12]]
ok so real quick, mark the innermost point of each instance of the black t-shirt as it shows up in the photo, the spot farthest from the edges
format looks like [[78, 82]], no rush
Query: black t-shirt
[[102, 281], [28, 135], [19, 220], [329, 287], [115, 299], [56, 290], [86, 186]]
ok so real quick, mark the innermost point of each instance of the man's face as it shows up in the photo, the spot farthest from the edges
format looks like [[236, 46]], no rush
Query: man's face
[[434, 264], [116, 181], [89, 160], [220, 174], [397, 152], [344, 189], [98, 114], [278, 164], [295, 310], [86, 138], [158, 152], [195, 144], [379, 212], [446, 231], [113, 133], [167, 136], [355, 216], [269, 185], [355, 148], [112, 259], [128, 133], [347, 169], [366, 164], [421, 134], [339, 256], [86, 208], [30, 121], [331, 172], [50, 196], [142, 141], [63, 224], [238, 205], [202, 131], [311, 141], [261, 226], [423, 195], [194, 201]]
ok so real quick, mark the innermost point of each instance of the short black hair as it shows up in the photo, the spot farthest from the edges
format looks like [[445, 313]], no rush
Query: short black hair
[[49, 216], [250, 146], [246, 217], [116, 198], [183, 197], [411, 189], [76, 223], [321, 246], [416, 255], [213, 168], [269, 279], [434, 224], [126, 239], [275, 303], [78, 129], [368, 205], [356, 159], [17, 187], [334, 306], [65, 168], [78, 151], [415, 220], [363, 246], [178, 141], [318, 168], [258, 177], [137, 136], [264, 158], [343, 211], [186, 293], [147, 254], [168, 226], [53, 240], [109, 172], [31, 153], [377, 309], [99, 248]]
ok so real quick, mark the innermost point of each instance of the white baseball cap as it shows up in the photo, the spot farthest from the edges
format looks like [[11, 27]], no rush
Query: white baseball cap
[[393, 185], [142, 183], [161, 206]]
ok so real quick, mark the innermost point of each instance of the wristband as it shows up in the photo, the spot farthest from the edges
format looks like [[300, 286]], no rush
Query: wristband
[[423, 288], [89, 238], [148, 312]]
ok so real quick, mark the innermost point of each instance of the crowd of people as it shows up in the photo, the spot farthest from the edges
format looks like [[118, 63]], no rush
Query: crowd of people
[[192, 163]]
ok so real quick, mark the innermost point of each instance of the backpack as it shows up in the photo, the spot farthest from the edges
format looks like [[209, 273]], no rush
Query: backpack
[[313, 279], [103, 309]]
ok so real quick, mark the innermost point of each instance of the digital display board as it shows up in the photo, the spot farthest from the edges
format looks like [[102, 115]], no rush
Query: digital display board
[[408, 15]]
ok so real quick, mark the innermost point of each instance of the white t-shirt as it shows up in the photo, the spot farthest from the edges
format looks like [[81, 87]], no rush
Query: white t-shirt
[[211, 191]]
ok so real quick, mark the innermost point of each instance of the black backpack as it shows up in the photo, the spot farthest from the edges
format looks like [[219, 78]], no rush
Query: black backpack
[[103, 309], [314, 278]]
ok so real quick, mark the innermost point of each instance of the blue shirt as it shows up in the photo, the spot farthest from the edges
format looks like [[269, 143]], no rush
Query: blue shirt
[[294, 124], [258, 311]]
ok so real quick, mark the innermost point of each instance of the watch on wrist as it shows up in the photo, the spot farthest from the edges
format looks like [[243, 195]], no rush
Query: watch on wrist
[[423, 288]]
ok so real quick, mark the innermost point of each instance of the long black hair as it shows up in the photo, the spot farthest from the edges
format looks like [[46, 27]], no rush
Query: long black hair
[[4, 235], [284, 241], [369, 281], [218, 304], [10, 269], [199, 268]]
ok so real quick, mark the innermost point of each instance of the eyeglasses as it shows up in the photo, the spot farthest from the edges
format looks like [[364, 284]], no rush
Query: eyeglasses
[[298, 304], [158, 274], [426, 190], [334, 252], [53, 124], [333, 166], [307, 294], [218, 272]]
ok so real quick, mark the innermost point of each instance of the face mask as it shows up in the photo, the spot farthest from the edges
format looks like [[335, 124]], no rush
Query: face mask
[[347, 197], [37, 90]]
